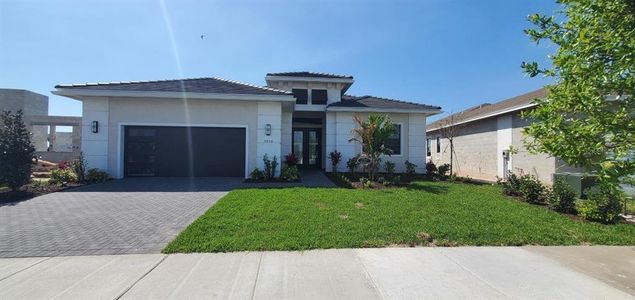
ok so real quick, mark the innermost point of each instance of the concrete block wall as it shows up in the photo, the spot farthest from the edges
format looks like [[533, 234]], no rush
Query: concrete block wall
[[475, 150], [479, 150], [31, 104], [540, 165]]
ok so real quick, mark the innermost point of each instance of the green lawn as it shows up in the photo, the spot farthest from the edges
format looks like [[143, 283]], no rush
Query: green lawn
[[452, 214]]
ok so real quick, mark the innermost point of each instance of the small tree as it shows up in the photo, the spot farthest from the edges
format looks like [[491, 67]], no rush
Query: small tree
[[79, 167], [373, 134], [587, 117], [450, 129], [16, 151], [335, 157]]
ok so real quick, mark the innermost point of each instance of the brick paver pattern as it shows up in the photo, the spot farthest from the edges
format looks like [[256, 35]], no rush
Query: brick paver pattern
[[117, 217]]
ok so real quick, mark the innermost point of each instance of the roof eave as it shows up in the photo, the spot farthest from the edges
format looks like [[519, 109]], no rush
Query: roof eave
[[309, 79], [494, 114], [79, 93], [427, 111]]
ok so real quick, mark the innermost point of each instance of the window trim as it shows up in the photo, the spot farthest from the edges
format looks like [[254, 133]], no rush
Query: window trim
[[400, 141], [428, 147]]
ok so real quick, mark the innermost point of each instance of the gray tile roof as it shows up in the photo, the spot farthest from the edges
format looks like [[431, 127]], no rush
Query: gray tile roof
[[487, 109], [310, 74], [212, 85], [379, 103]]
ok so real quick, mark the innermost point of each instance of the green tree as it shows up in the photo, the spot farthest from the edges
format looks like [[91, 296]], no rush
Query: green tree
[[588, 116], [373, 134], [16, 151]]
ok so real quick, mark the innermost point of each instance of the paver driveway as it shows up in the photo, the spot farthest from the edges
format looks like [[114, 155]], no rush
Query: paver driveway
[[139, 215]]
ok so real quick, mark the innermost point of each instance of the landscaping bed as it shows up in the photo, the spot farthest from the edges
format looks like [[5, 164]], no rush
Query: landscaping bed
[[31, 190], [423, 213]]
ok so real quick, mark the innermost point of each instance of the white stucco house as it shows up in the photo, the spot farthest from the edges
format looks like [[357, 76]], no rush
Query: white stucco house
[[217, 127]]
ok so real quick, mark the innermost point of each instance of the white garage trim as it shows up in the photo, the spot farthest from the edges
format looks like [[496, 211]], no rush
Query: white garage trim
[[121, 135]]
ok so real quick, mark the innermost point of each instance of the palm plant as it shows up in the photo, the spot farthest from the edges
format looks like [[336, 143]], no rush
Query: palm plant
[[373, 134]]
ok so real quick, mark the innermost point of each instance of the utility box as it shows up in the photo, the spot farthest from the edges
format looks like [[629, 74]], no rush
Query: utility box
[[580, 182]]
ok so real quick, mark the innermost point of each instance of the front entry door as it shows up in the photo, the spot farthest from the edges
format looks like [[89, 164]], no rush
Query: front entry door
[[307, 147]]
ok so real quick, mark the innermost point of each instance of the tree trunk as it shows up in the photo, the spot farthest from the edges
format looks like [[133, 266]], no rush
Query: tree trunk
[[451, 157]]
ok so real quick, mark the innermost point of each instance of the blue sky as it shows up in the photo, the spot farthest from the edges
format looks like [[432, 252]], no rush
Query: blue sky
[[454, 54]]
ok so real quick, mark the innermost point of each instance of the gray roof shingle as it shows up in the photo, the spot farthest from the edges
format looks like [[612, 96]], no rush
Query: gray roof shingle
[[487, 109], [310, 74], [379, 103], [212, 85]]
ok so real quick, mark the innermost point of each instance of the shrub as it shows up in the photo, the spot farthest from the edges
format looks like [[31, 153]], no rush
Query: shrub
[[352, 163], [63, 165], [431, 169], [366, 183], [16, 151], [270, 167], [96, 176], [257, 175], [443, 171], [290, 173], [341, 180], [562, 197], [511, 187], [39, 187], [63, 176], [79, 167], [603, 204], [532, 190], [411, 168], [335, 157], [526, 186], [389, 167], [290, 159]]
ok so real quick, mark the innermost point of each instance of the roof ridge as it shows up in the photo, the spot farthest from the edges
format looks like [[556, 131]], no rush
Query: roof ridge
[[251, 85], [127, 82]]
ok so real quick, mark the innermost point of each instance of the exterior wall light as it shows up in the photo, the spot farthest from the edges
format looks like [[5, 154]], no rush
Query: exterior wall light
[[268, 129], [94, 126]]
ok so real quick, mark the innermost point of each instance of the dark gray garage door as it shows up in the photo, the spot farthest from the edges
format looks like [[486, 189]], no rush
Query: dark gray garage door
[[184, 151]]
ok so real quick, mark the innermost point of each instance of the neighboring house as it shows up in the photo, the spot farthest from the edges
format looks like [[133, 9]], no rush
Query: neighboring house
[[218, 127], [56, 138], [484, 134]]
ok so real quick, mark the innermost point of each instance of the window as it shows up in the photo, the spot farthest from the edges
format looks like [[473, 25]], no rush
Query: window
[[301, 96], [394, 141], [428, 147], [318, 97], [438, 144]]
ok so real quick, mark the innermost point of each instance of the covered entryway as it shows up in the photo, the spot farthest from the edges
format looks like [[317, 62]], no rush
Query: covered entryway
[[167, 151], [308, 138]]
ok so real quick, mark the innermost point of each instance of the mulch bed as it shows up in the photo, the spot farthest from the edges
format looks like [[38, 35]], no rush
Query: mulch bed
[[27, 192]]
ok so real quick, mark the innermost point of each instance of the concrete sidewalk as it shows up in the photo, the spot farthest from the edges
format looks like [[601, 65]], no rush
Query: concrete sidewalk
[[388, 273]]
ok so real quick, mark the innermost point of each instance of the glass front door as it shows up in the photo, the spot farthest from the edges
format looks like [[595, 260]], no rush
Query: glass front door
[[307, 147]]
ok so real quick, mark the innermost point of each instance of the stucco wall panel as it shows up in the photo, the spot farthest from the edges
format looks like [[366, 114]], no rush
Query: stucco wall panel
[[176, 112]]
